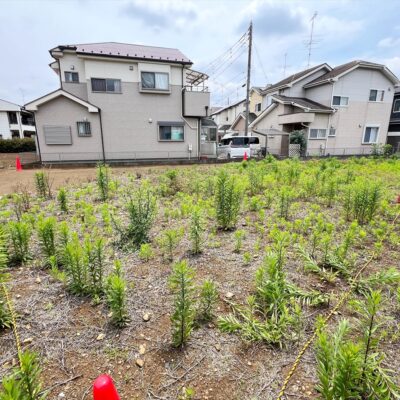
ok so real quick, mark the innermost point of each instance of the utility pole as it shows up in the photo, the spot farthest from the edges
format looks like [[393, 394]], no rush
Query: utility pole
[[246, 127], [311, 42]]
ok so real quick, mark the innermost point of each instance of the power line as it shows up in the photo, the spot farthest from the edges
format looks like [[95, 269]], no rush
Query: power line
[[260, 61]]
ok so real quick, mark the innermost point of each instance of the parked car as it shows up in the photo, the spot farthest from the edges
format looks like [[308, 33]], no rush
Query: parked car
[[237, 146]]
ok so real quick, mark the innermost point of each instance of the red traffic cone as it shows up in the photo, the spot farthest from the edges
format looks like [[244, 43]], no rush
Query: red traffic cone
[[104, 389], [18, 165], [245, 156]]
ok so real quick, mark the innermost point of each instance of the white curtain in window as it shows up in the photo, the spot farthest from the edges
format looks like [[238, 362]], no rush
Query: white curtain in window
[[162, 81]]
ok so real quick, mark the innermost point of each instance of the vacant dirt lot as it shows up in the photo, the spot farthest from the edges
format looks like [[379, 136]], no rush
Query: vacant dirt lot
[[10, 179]]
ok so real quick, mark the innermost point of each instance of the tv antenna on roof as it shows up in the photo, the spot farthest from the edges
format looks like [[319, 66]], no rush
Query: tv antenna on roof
[[311, 42]]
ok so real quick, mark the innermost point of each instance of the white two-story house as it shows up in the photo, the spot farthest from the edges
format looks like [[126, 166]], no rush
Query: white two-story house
[[121, 102], [15, 122], [342, 110]]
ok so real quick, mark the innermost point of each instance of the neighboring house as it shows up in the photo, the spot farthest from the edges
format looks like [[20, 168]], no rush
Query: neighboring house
[[239, 124], [121, 102], [225, 117], [394, 124], [342, 110], [255, 100], [14, 122]]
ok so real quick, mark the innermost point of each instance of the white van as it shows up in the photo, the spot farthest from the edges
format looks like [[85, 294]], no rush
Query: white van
[[236, 146]]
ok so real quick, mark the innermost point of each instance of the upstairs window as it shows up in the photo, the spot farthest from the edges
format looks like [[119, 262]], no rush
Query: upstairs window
[[106, 85], [258, 107], [71, 77], [332, 132], [396, 106], [84, 128], [370, 134], [171, 132], [155, 81], [340, 101], [12, 117], [376, 95], [317, 133]]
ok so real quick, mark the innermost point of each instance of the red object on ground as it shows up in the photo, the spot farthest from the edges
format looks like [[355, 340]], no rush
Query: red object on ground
[[18, 165], [398, 199], [245, 156], [104, 389]]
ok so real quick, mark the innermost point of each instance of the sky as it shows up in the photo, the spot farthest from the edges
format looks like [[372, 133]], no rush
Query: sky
[[203, 30]]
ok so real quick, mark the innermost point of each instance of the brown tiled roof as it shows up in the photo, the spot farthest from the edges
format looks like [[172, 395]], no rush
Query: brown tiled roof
[[303, 102], [125, 50], [291, 78], [340, 69]]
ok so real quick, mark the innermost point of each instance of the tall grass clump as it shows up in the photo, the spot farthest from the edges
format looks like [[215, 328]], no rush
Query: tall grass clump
[[20, 235], [228, 198], [63, 200], [349, 363], [46, 228], [141, 209], [273, 313], [116, 296], [182, 318], [169, 241], [25, 381], [196, 230], [208, 298], [43, 185], [103, 181], [94, 258], [75, 267], [361, 201]]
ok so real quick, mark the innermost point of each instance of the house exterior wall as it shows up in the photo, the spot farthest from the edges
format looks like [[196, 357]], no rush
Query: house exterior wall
[[255, 98], [350, 121], [63, 111], [297, 90], [130, 119], [5, 132]]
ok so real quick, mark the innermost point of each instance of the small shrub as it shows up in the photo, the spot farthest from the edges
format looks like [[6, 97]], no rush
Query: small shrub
[[240, 234], [47, 236], [285, 199], [17, 145], [141, 209], [361, 201], [208, 298], [196, 231], [103, 181], [169, 241], [182, 318], [116, 296], [63, 200], [20, 235], [94, 254], [228, 199], [75, 267], [146, 252], [247, 257], [25, 381], [43, 185]]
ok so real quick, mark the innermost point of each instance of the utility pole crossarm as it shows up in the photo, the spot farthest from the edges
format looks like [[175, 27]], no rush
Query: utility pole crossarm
[[246, 127]]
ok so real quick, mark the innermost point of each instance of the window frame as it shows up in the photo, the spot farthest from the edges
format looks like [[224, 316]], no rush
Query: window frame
[[394, 106], [87, 125], [365, 130], [317, 129], [341, 105], [258, 107], [73, 73], [155, 89], [377, 95], [105, 81], [9, 113], [334, 132], [172, 124]]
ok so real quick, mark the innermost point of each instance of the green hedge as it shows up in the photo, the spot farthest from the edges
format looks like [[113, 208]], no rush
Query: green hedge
[[17, 145]]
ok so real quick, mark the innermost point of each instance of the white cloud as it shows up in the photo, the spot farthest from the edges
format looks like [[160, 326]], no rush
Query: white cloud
[[389, 42]]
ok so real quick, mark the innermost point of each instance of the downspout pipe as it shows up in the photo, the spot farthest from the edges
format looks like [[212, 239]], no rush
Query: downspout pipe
[[102, 137]]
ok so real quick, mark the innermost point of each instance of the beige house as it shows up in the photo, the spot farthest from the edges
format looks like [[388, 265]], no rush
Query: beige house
[[15, 122], [342, 110], [224, 117], [121, 102], [255, 100]]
